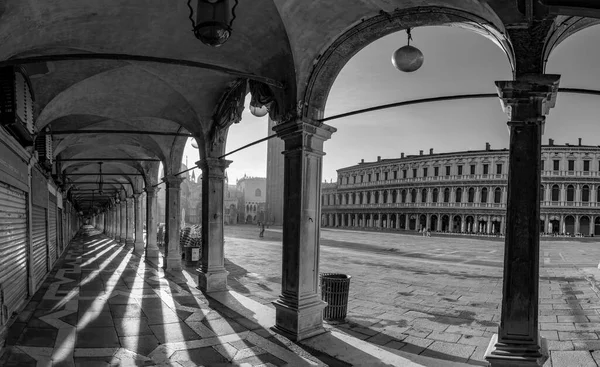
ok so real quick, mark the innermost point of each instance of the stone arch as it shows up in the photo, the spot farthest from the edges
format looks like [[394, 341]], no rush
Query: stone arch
[[345, 46]]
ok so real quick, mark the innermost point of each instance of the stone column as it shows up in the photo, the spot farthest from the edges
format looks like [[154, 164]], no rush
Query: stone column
[[427, 221], [577, 223], [123, 224], [407, 221], [439, 222], [546, 223], [151, 223], [299, 309], [129, 222], [212, 276], [172, 255], [139, 225], [562, 224], [518, 342], [397, 220]]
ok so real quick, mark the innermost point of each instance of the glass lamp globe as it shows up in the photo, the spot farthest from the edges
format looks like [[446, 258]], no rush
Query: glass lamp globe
[[259, 111], [407, 59]]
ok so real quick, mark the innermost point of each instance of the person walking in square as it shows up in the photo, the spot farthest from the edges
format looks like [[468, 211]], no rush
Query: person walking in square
[[262, 229]]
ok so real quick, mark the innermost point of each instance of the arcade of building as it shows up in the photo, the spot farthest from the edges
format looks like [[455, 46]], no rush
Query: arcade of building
[[464, 192], [119, 86]]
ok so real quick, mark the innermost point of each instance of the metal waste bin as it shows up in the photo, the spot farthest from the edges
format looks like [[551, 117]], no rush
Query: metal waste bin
[[334, 291]]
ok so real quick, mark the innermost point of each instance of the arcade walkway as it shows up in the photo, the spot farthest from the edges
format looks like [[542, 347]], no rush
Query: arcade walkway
[[103, 305]]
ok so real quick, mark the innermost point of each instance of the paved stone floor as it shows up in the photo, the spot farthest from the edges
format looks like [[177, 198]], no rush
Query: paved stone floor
[[437, 296], [102, 305]]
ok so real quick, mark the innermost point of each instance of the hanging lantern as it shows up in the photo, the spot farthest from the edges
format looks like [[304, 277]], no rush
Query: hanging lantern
[[259, 111], [408, 58], [214, 19]]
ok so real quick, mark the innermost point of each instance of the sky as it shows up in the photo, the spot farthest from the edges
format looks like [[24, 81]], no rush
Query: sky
[[457, 61]]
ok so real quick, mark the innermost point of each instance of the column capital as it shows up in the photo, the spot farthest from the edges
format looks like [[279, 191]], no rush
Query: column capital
[[299, 134], [173, 181], [136, 196], [214, 167], [529, 98], [151, 190]]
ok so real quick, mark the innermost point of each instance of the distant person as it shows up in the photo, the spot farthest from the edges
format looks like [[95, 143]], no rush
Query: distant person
[[261, 225], [428, 233]]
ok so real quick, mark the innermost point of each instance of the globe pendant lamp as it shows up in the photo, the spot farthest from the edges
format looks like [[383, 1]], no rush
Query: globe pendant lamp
[[408, 58], [259, 111], [214, 19]]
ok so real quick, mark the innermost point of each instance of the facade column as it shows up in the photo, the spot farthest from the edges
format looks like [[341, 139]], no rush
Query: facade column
[[397, 220], [576, 223], [563, 195], [547, 223], [463, 222], [123, 222], [130, 221], [172, 255], [139, 225], [151, 223], [592, 224], [439, 222], [212, 276], [407, 221], [518, 342], [427, 221], [562, 224], [299, 309]]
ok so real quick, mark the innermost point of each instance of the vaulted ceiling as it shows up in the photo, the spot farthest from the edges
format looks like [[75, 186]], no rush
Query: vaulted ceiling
[[127, 79]]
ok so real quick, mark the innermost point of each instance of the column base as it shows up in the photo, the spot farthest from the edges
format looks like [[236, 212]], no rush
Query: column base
[[212, 281], [499, 355], [138, 247], [172, 263], [129, 242], [152, 253], [298, 322]]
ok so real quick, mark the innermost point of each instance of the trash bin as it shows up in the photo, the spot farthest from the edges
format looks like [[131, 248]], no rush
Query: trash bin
[[334, 291]]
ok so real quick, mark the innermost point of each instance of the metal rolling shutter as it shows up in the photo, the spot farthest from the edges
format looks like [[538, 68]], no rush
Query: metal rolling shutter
[[52, 230], [40, 265], [60, 231], [13, 250]]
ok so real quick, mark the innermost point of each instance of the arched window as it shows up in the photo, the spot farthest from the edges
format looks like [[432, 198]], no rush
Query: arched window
[[570, 193], [385, 197], [413, 195], [424, 196], [354, 197], [347, 198], [403, 196], [376, 197], [446, 195], [368, 197], [555, 193], [394, 196], [257, 192], [247, 207], [585, 194], [323, 200], [254, 208], [434, 198], [498, 195], [459, 195], [471, 197], [484, 195], [542, 192]]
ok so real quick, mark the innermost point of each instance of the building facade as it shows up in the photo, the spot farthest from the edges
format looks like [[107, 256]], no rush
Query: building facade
[[251, 204], [464, 192], [274, 184]]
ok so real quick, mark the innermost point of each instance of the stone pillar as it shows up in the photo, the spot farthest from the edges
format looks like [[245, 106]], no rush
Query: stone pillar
[[172, 255], [299, 309], [439, 222], [577, 223], [139, 225], [407, 221], [427, 221], [592, 224], [129, 223], [151, 223], [212, 276], [518, 342], [122, 221], [463, 223], [562, 224]]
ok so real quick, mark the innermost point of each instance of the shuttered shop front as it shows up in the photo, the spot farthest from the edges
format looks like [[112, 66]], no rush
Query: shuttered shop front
[[40, 253], [13, 248], [52, 228]]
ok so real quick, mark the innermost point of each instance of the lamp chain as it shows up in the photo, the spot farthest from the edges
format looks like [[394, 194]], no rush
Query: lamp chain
[[409, 35]]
